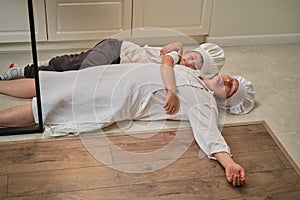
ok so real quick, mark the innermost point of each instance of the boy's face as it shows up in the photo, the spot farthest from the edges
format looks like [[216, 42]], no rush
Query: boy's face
[[191, 59]]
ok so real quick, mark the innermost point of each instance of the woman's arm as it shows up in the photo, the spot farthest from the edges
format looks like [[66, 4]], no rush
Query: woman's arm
[[235, 174], [167, 72], [171, 54]]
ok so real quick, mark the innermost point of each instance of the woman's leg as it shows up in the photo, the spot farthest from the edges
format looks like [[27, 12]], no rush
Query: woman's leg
[[17, 116], [21, 88]]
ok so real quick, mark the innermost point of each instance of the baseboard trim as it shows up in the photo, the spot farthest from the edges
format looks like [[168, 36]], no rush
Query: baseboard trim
[[87, 44], [222, 41], [255, 40], [9, 47]]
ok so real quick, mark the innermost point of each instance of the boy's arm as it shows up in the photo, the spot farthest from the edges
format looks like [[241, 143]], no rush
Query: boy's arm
[[176, 46], [167, 72]]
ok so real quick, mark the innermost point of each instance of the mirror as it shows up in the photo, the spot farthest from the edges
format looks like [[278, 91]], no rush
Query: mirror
[[7, 102]]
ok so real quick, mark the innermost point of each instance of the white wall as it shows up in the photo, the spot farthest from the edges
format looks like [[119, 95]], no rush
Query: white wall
[[243, 22]]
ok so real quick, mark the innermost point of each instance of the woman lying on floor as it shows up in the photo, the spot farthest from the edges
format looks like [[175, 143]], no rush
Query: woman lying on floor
[[90, 99]]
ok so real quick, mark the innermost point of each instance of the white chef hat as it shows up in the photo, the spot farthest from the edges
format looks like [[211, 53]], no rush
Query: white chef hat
[[213, 59], [242, 101]]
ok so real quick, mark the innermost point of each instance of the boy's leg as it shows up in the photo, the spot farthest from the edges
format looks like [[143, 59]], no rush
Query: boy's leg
[[17, 116], [21, 88], [13, 72], [59, 64], [42, 65], [104, 53]]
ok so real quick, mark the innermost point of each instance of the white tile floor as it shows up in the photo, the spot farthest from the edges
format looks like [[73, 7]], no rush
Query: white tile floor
[[273, 69]]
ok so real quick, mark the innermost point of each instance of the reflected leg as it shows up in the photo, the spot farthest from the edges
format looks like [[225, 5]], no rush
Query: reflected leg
[[21, 88], [17, 116]]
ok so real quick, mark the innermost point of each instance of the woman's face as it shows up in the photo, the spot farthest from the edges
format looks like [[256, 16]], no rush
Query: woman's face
[[191, 59], [223, 86]]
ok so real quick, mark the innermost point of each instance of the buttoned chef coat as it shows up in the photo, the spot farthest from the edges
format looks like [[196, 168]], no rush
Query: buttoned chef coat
[[93, 98]]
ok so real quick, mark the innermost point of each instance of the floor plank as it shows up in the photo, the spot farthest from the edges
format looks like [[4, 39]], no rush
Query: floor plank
[[257, 163], [34, 159], [187, 188], [3, 187], [271, 183], [253, 142], [97, 177]]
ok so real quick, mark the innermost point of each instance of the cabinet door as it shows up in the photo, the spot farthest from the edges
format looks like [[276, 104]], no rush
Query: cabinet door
[[190, 17], [14, 21], [87, 19]]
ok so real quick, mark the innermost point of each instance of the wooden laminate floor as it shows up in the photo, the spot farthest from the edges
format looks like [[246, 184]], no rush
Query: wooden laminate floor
[[63, 168]]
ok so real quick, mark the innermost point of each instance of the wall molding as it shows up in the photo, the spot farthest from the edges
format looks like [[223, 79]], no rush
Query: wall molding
[[25, 46], [87, 44], [222, 41], [255, 39]]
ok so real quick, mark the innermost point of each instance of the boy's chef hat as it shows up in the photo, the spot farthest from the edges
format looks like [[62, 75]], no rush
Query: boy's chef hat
[[213, 59]]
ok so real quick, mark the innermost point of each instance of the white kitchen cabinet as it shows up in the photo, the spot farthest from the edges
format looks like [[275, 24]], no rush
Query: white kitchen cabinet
[[87, 20], [90, 20], [190, 17], [14, 21]]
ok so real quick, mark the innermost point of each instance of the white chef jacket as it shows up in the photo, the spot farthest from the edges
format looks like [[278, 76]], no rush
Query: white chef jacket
[[89, 99], [133, 53]]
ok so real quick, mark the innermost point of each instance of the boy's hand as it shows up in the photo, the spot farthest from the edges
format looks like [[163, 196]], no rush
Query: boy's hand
[[171, 104], [176, 46]]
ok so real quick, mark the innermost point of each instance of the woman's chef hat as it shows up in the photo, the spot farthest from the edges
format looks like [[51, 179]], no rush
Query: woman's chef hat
[[242, 101], [213, 59]]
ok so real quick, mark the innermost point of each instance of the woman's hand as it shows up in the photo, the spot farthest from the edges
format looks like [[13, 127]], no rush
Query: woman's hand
[[176, 46], [171, 104]]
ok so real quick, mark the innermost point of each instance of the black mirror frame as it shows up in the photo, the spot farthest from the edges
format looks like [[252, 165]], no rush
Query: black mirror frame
[[39, 127]]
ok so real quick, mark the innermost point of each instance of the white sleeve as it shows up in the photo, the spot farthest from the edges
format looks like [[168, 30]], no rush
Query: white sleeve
[[34, 110], [203, 119], [174, 55]]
